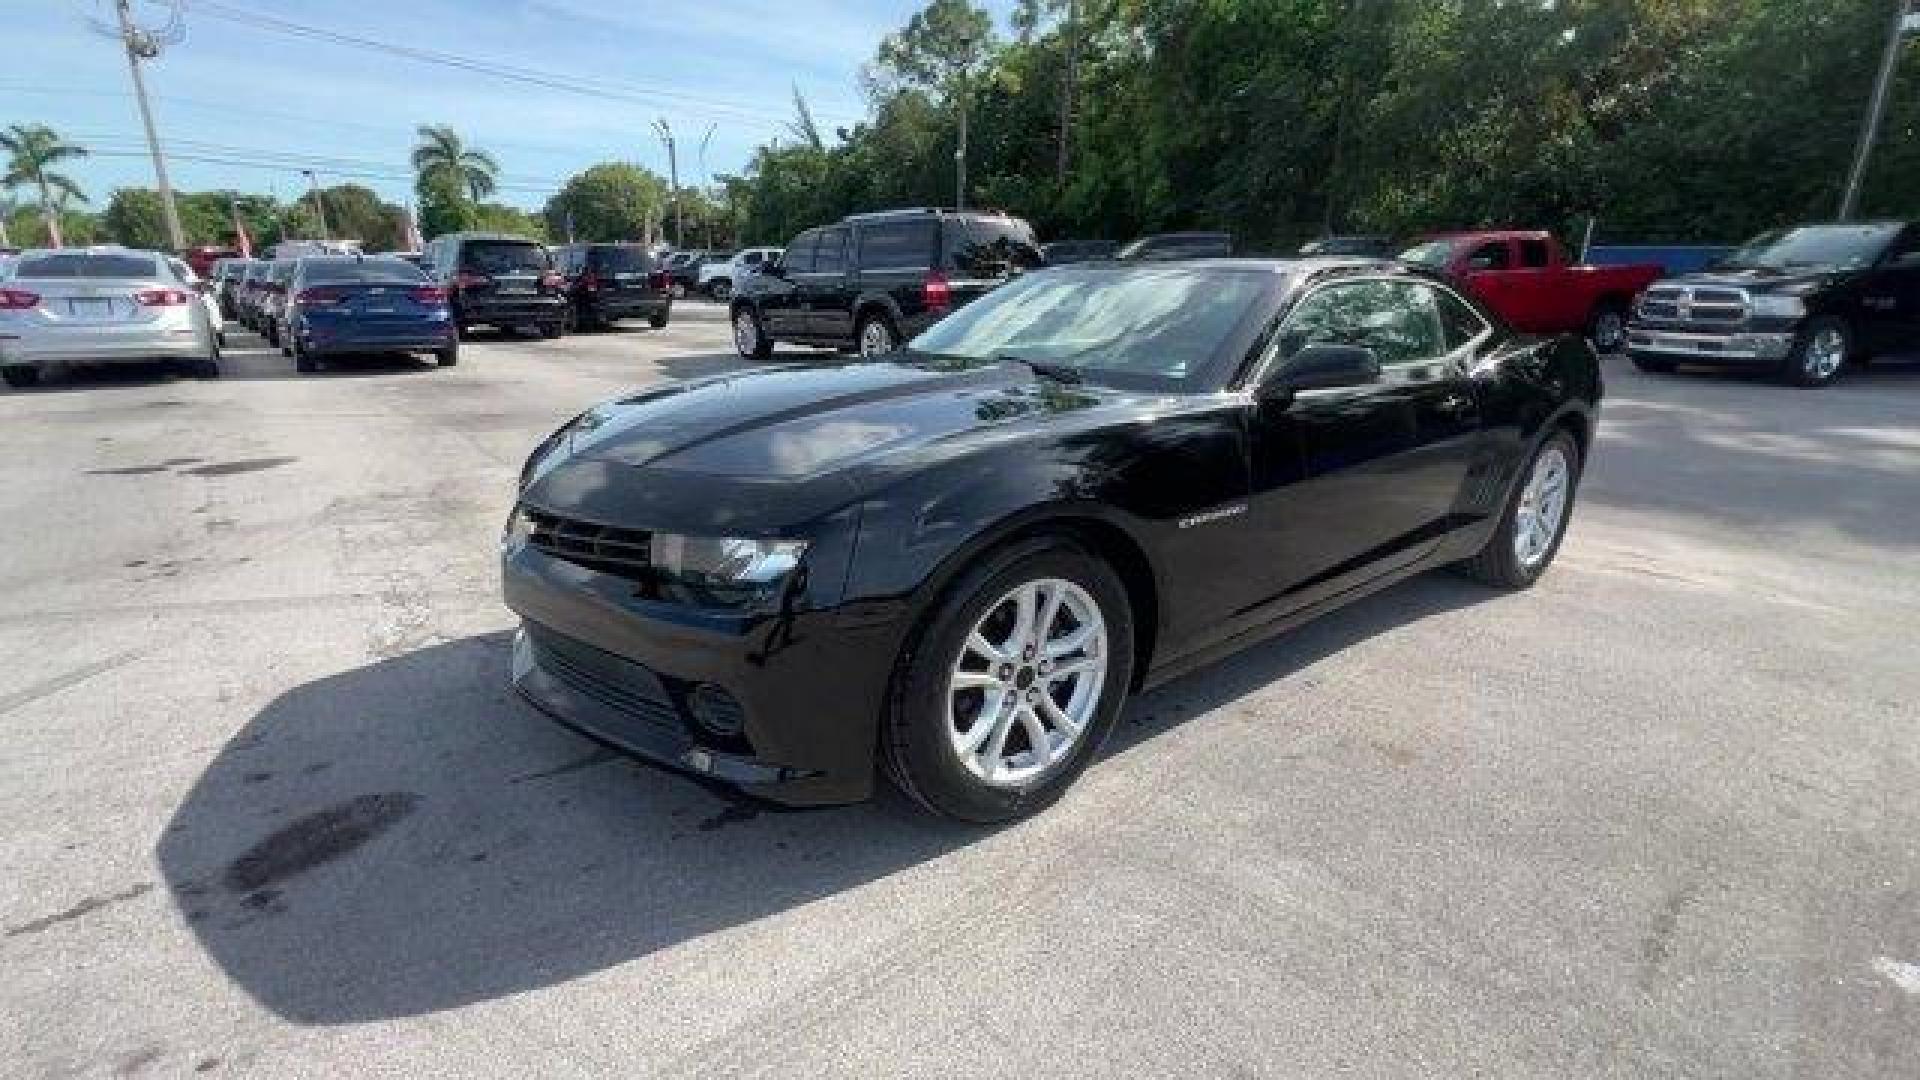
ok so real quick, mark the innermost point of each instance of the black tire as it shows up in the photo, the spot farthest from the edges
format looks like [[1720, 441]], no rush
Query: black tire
[[1498, 563], [304, 362], [1607, 327], [448, 356], [1809, 364], [720, 289], [761, 346], [917, 748], [573, 319], [1652, 366], [20, 377], [208, 366], [552, 330], [657, 319], [286, 348], [877, 324], [272, 334]]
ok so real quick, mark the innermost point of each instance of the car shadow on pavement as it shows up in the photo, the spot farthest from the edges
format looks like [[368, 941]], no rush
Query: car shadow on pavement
[[408, 836]]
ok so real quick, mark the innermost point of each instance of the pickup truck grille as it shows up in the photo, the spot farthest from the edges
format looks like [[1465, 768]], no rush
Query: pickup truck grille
[[1688, 304], [622, 552]]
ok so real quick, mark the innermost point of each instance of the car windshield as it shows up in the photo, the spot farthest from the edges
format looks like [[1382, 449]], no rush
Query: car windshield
[[1159, 327], [1430, 253], [1837, 246], [359, 270], [85, 264], [504, 257]]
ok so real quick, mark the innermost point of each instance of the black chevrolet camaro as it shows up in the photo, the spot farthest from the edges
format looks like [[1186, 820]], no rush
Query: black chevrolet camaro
[[956, 562]]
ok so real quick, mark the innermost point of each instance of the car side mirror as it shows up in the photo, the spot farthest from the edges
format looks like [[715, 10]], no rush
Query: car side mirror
[[1324, 366]]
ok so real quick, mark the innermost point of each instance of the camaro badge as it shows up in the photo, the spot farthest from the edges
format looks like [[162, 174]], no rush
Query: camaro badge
[[1213, 515]]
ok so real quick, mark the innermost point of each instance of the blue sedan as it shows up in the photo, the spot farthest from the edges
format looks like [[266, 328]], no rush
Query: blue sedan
[[343, 305]]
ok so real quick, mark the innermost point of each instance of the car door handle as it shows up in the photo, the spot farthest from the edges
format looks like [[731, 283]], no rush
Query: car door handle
[[1454, 404]]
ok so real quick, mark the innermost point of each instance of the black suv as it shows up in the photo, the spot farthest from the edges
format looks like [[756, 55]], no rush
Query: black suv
[[493, 279], [605, 282], [1799, 302], [873, 281]]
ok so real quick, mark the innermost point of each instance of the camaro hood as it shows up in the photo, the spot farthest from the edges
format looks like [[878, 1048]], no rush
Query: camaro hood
[[772, 446]]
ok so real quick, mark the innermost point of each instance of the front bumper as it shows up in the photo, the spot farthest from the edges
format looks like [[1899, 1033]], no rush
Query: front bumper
[[623, 669], [1718, 348]]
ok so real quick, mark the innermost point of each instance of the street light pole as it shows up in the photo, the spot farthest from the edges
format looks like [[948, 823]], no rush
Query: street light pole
[[705, 182], [139, 46], [1905, 16], [319, 207]]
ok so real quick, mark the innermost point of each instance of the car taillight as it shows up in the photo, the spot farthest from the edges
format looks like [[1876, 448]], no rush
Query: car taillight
[[319, 297], [18, 300], [590, 281], [935, 293], [429, 294], [162, 298], [551, 280], [657, 279], [470, 281]]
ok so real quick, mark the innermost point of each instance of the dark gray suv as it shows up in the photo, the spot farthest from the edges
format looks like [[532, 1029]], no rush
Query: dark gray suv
[[493, 279]]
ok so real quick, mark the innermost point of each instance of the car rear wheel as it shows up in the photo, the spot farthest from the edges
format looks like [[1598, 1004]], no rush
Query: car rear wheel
[[1014, 684], [749, 337], [720, 289], [20, 377], [1820, 353], [1607, 328], [304, 362], [552, 329], [658, 319], [448, 356], [1524, 543], [1653, 367], [208, 366], [876, 336]]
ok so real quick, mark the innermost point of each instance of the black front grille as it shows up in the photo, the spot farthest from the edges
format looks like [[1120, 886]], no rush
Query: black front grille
[[623, 552], [620, 684]]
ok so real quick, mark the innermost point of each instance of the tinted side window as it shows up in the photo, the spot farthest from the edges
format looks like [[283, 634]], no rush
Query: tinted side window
[[1490, 256], [831, 256], [799, 256], [990, 246], [896, 245], [1533, 253], [1398, 320]]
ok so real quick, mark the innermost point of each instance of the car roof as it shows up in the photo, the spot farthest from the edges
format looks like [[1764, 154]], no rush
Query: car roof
[[465, 236]]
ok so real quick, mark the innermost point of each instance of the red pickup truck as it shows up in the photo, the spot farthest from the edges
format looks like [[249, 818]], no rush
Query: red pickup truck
[[1526, 277]]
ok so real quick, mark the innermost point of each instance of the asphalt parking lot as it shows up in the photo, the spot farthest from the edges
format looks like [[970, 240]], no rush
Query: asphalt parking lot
[[267, 807]]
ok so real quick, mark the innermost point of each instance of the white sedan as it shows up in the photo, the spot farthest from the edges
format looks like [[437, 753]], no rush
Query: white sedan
[[86, 306]]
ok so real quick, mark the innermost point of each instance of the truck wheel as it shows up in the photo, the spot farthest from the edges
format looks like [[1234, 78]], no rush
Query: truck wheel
[[1820, 353], [876, 336], [749, 336], [1607, 328]]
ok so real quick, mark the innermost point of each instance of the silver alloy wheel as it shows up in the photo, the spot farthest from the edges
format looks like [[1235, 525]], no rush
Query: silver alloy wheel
[[876, 338], [1825, 353], [1027, 682], [1543, 506], [1609, 330], [746, 332]]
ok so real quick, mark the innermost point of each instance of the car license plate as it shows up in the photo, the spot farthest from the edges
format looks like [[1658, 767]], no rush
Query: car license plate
[[90, 307], [515, 290]]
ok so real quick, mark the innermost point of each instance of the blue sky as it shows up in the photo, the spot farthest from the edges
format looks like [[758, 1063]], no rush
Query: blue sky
[[235, 91]]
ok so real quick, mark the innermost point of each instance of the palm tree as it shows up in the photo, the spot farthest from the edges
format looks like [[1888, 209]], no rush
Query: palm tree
[[442, 153], [31, 149]]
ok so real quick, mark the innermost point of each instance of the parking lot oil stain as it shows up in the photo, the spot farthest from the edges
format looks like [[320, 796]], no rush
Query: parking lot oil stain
[[85, 907], [256, 778], [128, 470], [207, 1065], [732, 814], [587, 762], [230, 468], [1657, 947], [316, 839], [176, 462], [136, 1063]]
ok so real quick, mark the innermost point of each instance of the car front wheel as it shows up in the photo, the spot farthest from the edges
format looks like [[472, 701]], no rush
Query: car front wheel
[[1820, 353], [749, 337], [1524, 543], [1013, 686]]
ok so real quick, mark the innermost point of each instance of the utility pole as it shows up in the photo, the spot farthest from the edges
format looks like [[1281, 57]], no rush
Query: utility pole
[[706, 180], [145, 45], [1906, 20], [673, 181], [1066, 89], [319, 207], [960, 146]]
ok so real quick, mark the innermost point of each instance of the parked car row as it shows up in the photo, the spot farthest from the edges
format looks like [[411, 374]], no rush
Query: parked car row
[[99, 306]]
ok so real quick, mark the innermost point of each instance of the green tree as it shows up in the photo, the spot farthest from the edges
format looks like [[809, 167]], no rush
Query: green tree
[[499, 217], [32, 151], [441, 153], [611, 201]]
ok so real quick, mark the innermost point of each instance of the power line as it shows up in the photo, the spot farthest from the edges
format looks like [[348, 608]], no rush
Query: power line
[[610, 91]]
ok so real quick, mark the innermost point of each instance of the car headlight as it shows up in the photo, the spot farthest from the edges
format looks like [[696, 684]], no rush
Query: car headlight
[[1779, 307], [723, 571], [519, 529]]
